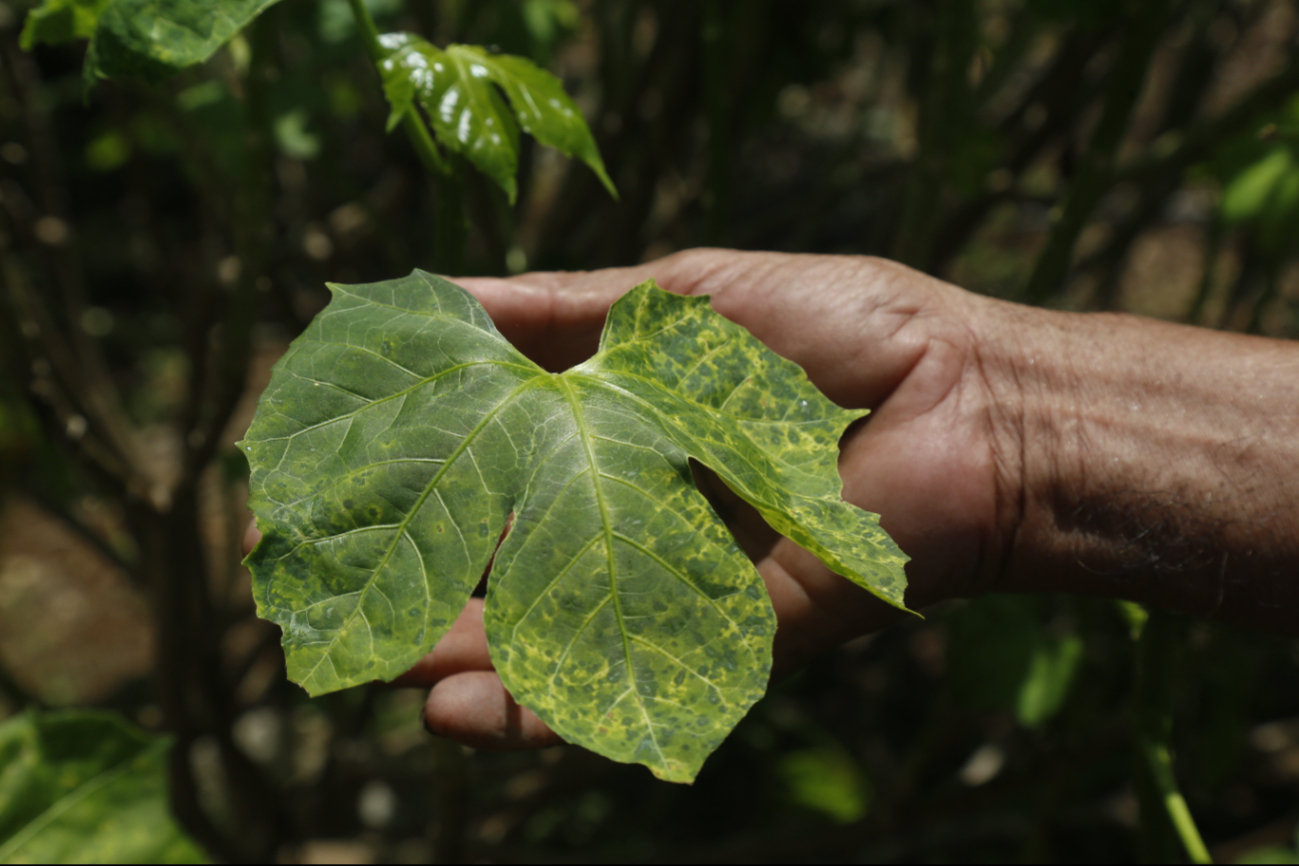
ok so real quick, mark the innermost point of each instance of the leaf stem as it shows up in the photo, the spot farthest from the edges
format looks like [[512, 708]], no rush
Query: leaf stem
[[1157, 657], [418, 134], [450, 224], [1159, 762]]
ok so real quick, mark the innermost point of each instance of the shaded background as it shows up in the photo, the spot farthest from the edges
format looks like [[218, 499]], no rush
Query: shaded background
[[160, 246]]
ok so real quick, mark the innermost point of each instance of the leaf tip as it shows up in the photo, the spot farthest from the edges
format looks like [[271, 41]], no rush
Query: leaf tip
[[605, 180]]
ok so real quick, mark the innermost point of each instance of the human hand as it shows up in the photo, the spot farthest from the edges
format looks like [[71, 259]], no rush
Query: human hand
[[871, 334], [1008, 448]]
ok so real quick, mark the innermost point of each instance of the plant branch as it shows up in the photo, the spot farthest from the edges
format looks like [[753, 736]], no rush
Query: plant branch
[[1066, 96], [253, 225], [80, 365], [82, 531], [715, 50], [55, 380]]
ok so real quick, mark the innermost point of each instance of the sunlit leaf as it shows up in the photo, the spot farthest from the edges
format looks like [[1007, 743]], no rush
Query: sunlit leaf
[[401, 430], [83, 787], [458, 90]]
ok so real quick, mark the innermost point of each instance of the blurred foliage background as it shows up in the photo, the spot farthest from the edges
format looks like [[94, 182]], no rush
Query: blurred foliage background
[[159, 246]]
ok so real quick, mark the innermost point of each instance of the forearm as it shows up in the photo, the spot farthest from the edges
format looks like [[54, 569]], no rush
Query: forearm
[[1159, 463]]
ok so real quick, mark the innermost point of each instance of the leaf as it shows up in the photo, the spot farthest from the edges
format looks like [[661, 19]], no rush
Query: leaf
[[826, 779], [1050, 674], [1003, 658], [55, 22], [1250, 193], [83, 787], [401, 430], [155, 39], [1266, 195], [458, 90]]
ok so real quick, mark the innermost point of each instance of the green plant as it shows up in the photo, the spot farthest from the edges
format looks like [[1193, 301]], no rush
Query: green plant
[[159, 244], [83, 787]]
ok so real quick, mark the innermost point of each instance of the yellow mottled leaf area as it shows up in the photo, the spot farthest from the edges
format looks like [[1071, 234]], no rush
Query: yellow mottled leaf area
[[401, 430]]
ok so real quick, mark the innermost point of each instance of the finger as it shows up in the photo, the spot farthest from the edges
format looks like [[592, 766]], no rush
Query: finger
[[252, 535], [463, 648], [553, 318], [473, 708], [556, 317]]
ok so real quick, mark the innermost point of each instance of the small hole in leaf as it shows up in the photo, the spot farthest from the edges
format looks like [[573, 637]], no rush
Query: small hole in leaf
[[481, 589]]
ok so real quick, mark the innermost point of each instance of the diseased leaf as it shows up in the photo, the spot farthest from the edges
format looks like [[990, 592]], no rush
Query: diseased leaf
[[55, 22], [155, 39], [401, 430], [458, 90], [83, 787]]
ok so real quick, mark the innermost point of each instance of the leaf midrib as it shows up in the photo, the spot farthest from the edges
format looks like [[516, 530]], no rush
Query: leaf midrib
[[579, 417]]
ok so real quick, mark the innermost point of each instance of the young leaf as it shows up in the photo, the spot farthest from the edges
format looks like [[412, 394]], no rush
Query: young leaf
[[83, 787], [401, 430], [155, 39], [458, 90]]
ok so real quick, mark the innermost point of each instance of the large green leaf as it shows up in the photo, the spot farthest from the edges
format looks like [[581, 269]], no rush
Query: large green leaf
[[458, 90], [83, 787], [401, 430]]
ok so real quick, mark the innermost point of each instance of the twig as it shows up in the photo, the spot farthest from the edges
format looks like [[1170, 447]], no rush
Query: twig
[[58, 384], [251, 229], [85, 373], [82, 531], [1208, 276], [1066, 96]]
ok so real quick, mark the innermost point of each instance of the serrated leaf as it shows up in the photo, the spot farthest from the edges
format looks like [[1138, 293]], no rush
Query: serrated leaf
[[55, 22], [155, 39], [83, 787], [401, 430], [458, 90]]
